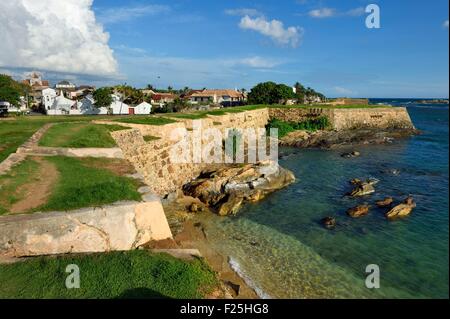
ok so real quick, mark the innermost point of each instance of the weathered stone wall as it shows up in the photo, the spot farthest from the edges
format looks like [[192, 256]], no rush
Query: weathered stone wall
[[153, 160], [121, 226], [295, 114], [383, 118], [351, 118]]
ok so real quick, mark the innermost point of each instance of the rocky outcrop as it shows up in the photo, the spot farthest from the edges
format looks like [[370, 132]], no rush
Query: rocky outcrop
[[327, 139], [363, 188], [227, 188], [402, 210], [358, 211], [351, 154]]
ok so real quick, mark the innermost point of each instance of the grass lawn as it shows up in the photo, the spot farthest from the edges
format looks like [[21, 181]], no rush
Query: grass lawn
[[15, 133], [133, 274], [148, 120], [10, 184], [81, 185], [150, 138], [80, 135]]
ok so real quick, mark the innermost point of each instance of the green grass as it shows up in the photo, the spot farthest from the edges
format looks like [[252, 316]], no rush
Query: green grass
[[133, 274], [20, 175], [15, 133], [284, 128], [149, 120], [82, 186], [80, 135]]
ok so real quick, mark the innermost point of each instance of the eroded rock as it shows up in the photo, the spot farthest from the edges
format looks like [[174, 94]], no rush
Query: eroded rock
[[402, 210], [358, 211], [385, 202], [363, 188], [226, 189]]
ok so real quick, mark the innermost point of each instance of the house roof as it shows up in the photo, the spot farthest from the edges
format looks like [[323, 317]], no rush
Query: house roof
[[210, 93], [160, 96]]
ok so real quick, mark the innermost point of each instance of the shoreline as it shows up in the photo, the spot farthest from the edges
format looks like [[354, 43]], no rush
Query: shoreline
[[189, 231]]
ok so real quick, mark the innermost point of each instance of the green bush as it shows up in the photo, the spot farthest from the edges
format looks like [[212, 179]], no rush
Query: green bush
[[284, 128]]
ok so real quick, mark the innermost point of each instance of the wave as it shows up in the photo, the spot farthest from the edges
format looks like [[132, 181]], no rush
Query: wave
[[238, 270]]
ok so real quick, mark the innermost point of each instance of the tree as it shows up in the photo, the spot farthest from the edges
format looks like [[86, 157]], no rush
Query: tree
[[270, 93], [300, 92], [11, 90], [103, 97], [150, 87]]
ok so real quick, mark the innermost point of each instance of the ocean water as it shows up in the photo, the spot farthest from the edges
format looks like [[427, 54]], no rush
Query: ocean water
[[279, 246]]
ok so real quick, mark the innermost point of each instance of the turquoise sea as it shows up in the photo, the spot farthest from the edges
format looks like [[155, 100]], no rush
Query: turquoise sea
[[279, 246]]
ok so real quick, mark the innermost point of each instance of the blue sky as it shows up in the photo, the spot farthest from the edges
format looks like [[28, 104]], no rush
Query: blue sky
[[238, 43]]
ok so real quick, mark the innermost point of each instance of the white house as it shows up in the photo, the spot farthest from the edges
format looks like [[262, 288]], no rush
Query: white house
[[142, 109], [118, 107], [61, 106], [48, 97], [229, 97], [65, 85]]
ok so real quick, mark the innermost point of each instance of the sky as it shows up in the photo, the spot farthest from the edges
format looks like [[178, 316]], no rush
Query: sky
[[324, 44]]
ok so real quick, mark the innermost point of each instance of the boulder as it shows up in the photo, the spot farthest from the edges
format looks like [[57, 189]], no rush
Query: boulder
[[358, 211], [329, 222], [227, 188], [402, 210], [385, 202], [363, 188], [193, 208]]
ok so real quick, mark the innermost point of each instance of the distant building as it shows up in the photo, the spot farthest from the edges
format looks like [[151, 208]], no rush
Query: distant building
[[163, 98], [61, 106], [48, 97], [223, 97], [118, 107], [35, 82], [66, 85], [141, 109]]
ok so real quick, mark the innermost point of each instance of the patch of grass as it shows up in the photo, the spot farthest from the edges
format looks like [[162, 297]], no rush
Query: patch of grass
[[82, 186], [80, 135], [149, 120], [284, 128], [189, 116], [15, 133], [133, 274], [18, 176], [150, 138]]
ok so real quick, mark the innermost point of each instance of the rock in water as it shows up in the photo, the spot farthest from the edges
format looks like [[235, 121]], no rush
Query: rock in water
[[351, 154], [402, 210], [329, 222], [358, 211], [363, 188], [227, 188], [385, 202]]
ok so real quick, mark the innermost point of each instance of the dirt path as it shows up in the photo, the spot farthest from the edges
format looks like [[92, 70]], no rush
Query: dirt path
[[38, 190]]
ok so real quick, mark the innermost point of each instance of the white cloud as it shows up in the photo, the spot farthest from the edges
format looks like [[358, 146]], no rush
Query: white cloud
[[322, 13], [54, 35], [274, 29], [445, 24], [331, 12], [122, 14], [258, 62], [243, 12], [343, 91]]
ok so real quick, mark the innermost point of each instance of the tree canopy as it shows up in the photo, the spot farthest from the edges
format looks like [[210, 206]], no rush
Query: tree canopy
[[270, 93], [11, 90], [103, 97]]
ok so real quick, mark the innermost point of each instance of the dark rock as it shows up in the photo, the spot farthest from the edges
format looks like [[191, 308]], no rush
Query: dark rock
[[363, 188], [351, 154], [385, 202], [235, 287], [358, 211], [329, 222]]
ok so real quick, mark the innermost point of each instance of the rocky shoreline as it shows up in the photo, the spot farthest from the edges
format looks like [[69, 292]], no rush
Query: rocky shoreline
[[328, 139]]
